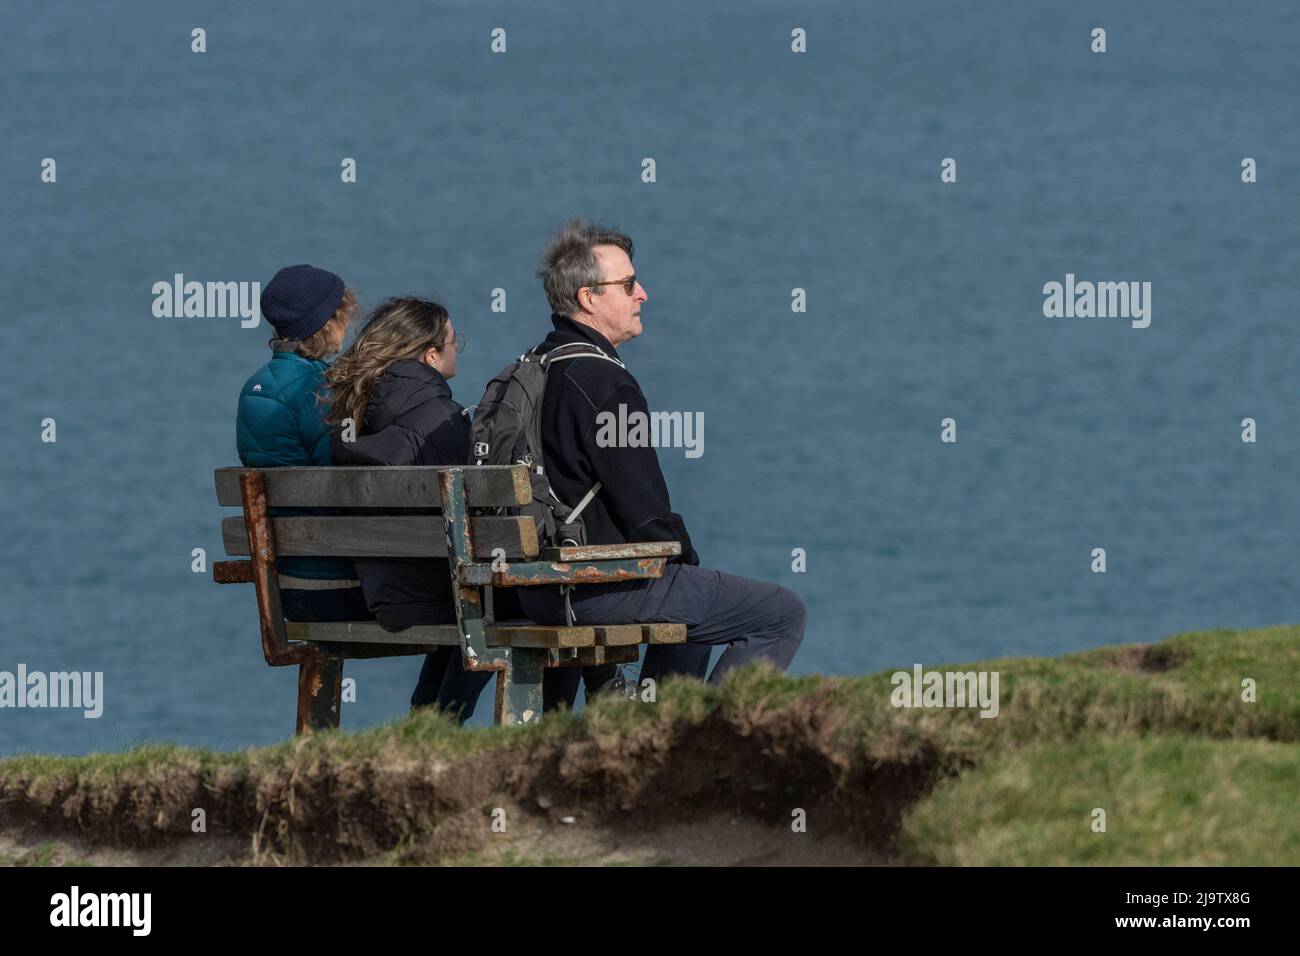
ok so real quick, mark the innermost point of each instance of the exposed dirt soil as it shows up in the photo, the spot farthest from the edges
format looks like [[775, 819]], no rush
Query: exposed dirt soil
[[1148, 658], [725, 792], [529, 840]]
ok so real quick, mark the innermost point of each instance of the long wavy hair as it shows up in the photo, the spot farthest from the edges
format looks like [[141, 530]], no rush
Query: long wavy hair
[[399, 328]]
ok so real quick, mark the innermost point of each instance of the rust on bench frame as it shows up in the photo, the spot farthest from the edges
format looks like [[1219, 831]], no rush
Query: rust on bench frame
[[320, 675]]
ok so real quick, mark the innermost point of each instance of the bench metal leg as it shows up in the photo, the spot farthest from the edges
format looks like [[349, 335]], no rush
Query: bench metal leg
[[320, 693], [519, 686]]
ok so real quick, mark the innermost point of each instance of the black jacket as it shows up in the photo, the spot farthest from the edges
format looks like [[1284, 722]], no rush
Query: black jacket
[[632, 504], [411, 419]]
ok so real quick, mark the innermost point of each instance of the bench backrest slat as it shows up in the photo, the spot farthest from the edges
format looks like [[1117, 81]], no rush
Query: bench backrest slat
[[384, 536], [392, 486]]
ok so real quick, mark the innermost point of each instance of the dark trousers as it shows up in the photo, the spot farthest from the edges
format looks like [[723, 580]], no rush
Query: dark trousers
[[752, 619], [445, 682], [335, 604]]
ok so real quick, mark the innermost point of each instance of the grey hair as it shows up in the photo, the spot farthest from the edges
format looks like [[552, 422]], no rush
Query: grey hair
[[568, 262]]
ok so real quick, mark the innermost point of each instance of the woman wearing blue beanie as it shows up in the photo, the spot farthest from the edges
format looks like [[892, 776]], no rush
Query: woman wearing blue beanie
[[280, 422]]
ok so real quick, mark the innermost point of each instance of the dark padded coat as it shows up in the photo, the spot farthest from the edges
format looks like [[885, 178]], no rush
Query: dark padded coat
[[411, 420], [633, 503], [279, 423]]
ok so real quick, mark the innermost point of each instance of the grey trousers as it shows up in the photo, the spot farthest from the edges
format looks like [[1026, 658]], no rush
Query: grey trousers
[[753, 619]]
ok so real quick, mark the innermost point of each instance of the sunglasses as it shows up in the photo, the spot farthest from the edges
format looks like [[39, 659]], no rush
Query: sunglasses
[[628, 284]]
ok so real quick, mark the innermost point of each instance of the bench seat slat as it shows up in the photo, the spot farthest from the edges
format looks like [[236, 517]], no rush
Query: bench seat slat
[[368, 632], [433, 635], [614, 635], [533, 635], [588, 656], [362, 652], [383, 536], [523, 634], [377, 486], [555, 656], [663, 633]]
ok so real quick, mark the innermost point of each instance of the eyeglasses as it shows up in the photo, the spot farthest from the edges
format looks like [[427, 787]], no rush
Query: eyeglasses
[[628, 284], [460, 343]]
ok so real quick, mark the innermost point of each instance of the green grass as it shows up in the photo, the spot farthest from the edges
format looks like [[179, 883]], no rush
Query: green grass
[[1187, 771], [50, 853], [1167, 800], [1041, 699]]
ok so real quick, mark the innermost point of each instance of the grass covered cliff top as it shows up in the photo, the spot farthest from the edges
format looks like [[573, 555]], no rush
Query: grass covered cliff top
[[1163, 739]]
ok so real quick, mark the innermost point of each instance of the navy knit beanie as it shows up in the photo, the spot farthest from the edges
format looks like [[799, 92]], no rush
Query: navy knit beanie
[[300, 300]]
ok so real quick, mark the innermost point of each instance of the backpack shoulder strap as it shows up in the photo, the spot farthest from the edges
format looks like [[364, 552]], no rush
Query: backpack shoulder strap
[[533, 428], [572, 350]]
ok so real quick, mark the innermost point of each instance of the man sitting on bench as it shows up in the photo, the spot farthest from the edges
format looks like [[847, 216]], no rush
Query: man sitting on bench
[[595, 298]]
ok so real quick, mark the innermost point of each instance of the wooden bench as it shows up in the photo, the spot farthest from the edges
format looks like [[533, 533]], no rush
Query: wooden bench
[[462, 514]]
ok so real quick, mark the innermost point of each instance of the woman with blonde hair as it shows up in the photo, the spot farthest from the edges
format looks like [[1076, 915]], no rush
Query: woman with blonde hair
[[280, 423], [392, 386]]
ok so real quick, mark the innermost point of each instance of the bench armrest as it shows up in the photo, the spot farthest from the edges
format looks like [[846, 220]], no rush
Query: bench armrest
[[610, 552], [538, 573]]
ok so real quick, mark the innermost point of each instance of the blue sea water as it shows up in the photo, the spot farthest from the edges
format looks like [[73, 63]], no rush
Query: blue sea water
[[774, 171]]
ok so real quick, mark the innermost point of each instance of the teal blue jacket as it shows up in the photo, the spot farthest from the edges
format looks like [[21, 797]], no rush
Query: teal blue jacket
[[279, 423]]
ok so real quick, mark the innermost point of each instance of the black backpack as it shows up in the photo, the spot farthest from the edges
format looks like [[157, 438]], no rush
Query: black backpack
[[507, 429]]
